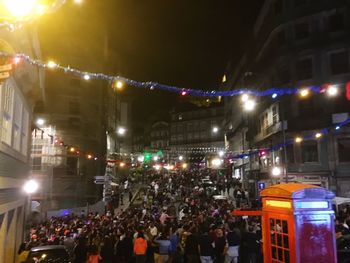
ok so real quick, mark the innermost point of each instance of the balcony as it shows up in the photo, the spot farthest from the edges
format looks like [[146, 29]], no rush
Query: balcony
[[268, 131]]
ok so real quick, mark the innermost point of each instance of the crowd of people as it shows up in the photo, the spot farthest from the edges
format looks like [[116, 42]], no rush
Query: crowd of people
[[176, 220]]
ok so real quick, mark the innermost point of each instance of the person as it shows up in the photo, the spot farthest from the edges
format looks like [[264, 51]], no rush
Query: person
[[121, 198], [251, 241], [94, 256], [191, 248], [125, 248], [220, 246], [164, 249], [107, 250], [140, 248], [206, 250], [80, 251], [233, 242]]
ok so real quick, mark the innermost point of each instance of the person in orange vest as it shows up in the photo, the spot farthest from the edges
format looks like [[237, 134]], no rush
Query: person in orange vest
[[140, 248]]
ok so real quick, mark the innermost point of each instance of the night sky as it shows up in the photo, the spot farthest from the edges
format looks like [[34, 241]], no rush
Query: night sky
[[186, 43]]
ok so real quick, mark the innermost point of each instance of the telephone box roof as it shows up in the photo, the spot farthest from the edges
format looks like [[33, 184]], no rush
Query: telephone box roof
[[297, 191]]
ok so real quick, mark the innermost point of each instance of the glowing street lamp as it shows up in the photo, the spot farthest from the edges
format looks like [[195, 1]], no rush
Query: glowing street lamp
[[215, 129], [276, 171], [121, 131], [221, 153], [249, 105], [20, 8], [40, 121], [181, 157], [332, 91], [30, 187]]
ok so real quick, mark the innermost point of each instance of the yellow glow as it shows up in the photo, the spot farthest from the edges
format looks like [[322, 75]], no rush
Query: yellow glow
[[72, 149], [51, 64], [43, 255], [304, 93], [78, 1], [184, 165], [40, 9], [281, 204], [20, 8], [318, 135], [122, 164], [119, 84], [86, 76], [298, 139], [224, 78], [89, 156]]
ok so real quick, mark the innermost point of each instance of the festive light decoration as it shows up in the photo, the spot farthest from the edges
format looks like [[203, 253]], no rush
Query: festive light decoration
[[304, 92], [114, 80], [348, 90], [298, 139]]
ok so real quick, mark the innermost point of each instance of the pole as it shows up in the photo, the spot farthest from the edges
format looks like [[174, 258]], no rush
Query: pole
[[284, 144]]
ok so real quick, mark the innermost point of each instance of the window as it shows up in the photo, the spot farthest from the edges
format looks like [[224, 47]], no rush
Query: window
[[264, 121], [37, 163], [309, 152], [180, 117], [7, 118], [304, 69], [25, 128], [302, 30], [274, 114], [73, 107], [17, 122], [344, 150], [336, 22], [339, 62]]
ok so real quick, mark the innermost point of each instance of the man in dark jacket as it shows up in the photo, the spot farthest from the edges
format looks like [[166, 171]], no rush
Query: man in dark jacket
[[252, 244], [206, 250], [191, 248], [233, 242]]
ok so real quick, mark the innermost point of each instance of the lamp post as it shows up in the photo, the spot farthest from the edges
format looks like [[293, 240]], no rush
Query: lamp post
[[29, 188]]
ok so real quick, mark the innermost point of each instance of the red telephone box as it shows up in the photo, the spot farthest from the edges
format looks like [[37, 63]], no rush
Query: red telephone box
[[297, 224]]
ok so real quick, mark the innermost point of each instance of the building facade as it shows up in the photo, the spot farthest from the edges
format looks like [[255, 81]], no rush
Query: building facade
[[20, 88], [295, 43], [196, 132], [160, 135]]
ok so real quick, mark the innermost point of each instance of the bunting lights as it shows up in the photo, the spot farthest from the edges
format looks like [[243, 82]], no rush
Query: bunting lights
[[118, 82]]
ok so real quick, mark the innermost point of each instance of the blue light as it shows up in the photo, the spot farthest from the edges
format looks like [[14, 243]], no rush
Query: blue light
[[274, 96], [337, 127]]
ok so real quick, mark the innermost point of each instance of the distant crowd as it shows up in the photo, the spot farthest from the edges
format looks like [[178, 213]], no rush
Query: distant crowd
[[176, 220]]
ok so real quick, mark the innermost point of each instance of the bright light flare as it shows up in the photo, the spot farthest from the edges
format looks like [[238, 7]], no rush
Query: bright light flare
[[298, 139], [184, 165], [249, 105], [30, 187], [244, 97], [216, 162], [332, 91], [118, 84], [318, 135], [20, 8], [87, 77], [181, 157], [121, 131], [215, 129], [304, 93], [40, 121], [140, 158], [276, 171], [221, 153], [51, 64], [122, 164]]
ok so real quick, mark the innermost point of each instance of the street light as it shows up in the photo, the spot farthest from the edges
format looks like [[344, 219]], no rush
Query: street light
[[276, 171], [215, 129], [40, 121], [20, 8], [332, 91], [121, 130], [216, 162], [221, 153], [181, 157], [249, 105], [30, 187]]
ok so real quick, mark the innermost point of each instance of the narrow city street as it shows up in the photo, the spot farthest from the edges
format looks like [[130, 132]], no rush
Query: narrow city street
[[174, 131]]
